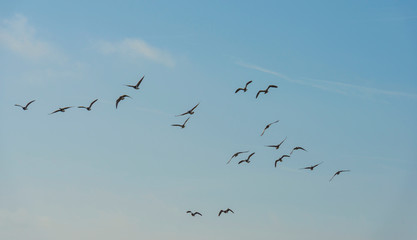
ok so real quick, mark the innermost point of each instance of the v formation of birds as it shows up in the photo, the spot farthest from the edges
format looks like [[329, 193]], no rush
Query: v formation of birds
[[189, 113]]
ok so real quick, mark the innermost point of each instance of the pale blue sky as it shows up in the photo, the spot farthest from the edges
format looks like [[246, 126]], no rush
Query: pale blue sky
[[346, 73]]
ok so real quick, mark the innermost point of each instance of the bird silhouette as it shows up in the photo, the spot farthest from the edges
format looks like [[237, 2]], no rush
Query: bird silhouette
[[60, 110], [312, 167], [246, 160], [235, 155], [191, 111], [194, 213], [280, 159], [243, 89], [338, 172], [267, 126], [120, 99], [89, 107], [297, 148], [225, 211], [25, 107], [178, 125], [137, 84], [266, 90], [277, 146]]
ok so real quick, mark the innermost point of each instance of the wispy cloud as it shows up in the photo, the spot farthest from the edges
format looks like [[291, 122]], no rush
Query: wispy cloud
[[136, 48], [333, 86], [19, 37]]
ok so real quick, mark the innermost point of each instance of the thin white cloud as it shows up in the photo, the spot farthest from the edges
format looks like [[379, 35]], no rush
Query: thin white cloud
[[18, 36], [136, 48], [338, 87]]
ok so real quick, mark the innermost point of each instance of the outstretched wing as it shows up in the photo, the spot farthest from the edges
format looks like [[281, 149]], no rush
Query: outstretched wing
[[19, 105], [186, 121], [273, 122], [194, 107], [282, 141], [237, 90], [259, 92], [251, 155], [176, 125], [248, 83], [140, 81], [230, 210], [221, 211], [27, 105], [276, 161], [264, 130], [271, 86], [333, 177], [91, 104], [241, 161], [55, 111], [82, 107], [197, 213]]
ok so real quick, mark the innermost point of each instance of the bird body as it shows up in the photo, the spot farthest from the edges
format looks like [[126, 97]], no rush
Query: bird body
[[267, 126], [25, 107], [243, 89], [120, 99], [137, 84], [266, 90], [225, 211], [89, 107], [191, 111]]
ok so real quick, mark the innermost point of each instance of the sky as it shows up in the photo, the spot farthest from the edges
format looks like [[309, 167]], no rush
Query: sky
[[347, 92]]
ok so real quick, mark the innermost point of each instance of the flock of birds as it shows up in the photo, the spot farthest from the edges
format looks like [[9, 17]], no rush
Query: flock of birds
[[191, 112]]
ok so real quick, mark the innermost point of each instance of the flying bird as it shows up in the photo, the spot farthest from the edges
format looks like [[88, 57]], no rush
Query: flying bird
[[191, 111], [178, 125], [137, 84], [243, 89], [266, 90], [312, 167], [267, 126], [235, 155], [225, 211], [246, 160], [60, 110], [89, 107], [120, 99], [297, 148], [194, 213], [277, 146], [338, 172], [280, 159], [25, 107]]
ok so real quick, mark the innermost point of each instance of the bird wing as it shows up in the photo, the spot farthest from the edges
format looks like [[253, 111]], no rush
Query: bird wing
[[132, 86], [271, 86], [237, 90], [276, 161], [273, 122], [55, 111], [118, 100], [198, 213], [140, 81], [91, 104], [259, 92], [182, 114], [27, 105], [194, 107], [176, 125], [344, 171], [317, 164], [81, 107], [188, 212], [221, 211], [333, 177], [282, 141], [65, 108], [230, 210], [248, 83], [186, 121], [19, 105], [271, 146], [263, 131], [241, 161], [251, 155]]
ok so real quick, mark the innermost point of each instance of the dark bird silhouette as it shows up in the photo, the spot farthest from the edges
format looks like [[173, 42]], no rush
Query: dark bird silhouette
[[137, 84], [194, 213], [235, 155], [60, 110], [247, 160], [243, 89], [266, 90], [267, 126], [89, 107], [25, 107], [277, 146], [297, 148], [120, 99], [312, 167], [338, 172], [280, 159], [225, 211], [178, 125], [191, 111]]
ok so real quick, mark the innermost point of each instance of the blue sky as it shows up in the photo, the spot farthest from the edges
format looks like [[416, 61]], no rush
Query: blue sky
[[346, 73]]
